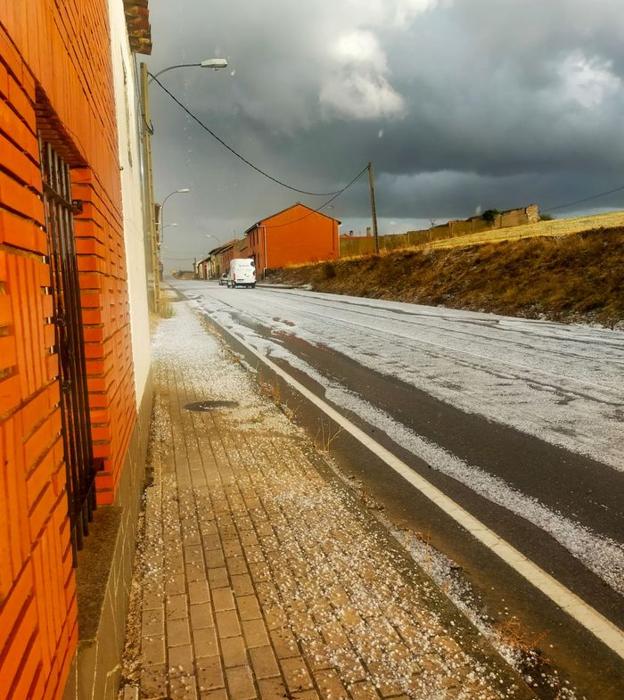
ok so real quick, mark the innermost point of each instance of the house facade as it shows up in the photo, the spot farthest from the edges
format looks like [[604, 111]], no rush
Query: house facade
[[75, 395], [293, 236], [218, 260]]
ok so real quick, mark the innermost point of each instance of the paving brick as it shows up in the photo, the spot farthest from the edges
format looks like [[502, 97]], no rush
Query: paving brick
[[236, 565], [364, 690], [232, 548], [241, 584], [154, 681], [273, 689], [259, 572], [193, 553], [199, 592], [284, 642], [215, 558], [240, 683], [255, 633], [194, 571], [248, 607], [330, 686], [153, 650], [177, 607], [205, 642], [296, 674], [201, 616], [175, 584], [152, 600], [211, 542], [267, 593], [178, 633], [218, 578], [233, 651], [181, 660], [183, 687], [209, 673], [264, 662], [153, 622], [228, 624], [223, 599]]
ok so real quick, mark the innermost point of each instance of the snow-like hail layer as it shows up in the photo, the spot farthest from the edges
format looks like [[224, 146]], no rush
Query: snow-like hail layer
[[560, 383], [602, 555], [328, 550]]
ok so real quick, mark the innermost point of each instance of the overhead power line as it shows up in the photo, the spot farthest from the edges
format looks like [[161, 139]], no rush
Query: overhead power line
[[585, 199], [235, 152], [325, 204]]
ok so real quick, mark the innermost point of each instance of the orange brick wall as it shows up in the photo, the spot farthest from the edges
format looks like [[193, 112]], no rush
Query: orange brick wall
[[55, 75], [310, 237]]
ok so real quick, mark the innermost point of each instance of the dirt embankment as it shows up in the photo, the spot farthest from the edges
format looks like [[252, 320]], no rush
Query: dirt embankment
[[575, 278]]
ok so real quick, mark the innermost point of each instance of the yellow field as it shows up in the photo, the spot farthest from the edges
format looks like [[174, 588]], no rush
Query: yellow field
[[558, 227]]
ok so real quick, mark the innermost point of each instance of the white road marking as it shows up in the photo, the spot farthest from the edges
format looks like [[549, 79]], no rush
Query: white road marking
[[596, 623]]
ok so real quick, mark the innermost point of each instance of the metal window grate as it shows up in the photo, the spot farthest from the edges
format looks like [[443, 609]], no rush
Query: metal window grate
[[69, 344]]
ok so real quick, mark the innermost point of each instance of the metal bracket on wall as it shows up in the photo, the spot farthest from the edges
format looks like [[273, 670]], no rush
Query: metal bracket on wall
[[77, 206]]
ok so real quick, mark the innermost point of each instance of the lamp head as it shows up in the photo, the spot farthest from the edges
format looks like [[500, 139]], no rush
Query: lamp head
[[214, 63]]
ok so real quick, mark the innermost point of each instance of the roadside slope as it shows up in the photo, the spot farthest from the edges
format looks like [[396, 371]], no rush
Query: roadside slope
[[575, 278]]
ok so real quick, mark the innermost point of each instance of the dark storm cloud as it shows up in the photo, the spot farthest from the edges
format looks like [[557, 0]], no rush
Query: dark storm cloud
[[459, 103]]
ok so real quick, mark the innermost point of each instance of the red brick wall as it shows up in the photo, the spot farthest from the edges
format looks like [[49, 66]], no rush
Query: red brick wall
[[55, 74]]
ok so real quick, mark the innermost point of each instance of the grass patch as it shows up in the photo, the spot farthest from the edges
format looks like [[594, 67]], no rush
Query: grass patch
[[165, 308]]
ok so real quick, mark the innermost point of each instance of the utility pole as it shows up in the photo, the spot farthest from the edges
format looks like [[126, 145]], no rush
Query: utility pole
[[148, 180], [371, 183]]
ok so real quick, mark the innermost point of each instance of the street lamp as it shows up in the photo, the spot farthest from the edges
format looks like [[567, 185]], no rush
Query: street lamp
[[214, 63], [146, 152], [159, 226]]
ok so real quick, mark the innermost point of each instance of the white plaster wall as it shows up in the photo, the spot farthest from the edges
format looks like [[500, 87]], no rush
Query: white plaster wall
[[127, 107]]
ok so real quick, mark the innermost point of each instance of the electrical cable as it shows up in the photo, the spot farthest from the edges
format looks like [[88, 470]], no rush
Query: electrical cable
[[234, 152], [586, 199], [318, 209]]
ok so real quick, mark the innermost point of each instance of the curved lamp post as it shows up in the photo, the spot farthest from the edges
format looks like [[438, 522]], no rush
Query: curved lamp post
[[160, 227], [214, 63], [146, 148]]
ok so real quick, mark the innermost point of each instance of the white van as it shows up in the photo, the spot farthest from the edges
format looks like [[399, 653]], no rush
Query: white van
[[242, 273]]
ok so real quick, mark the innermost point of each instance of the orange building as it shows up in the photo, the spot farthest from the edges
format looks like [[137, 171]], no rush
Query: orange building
[[68, 414], [292, 236]]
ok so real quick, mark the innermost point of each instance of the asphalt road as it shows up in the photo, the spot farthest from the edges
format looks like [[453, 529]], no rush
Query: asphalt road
[[519, 422]]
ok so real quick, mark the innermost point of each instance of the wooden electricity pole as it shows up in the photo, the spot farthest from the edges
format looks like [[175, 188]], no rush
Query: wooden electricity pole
[[148, 180], [371, 183]]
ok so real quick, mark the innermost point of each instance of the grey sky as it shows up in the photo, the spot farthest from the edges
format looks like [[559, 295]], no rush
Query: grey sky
[[459, 104]]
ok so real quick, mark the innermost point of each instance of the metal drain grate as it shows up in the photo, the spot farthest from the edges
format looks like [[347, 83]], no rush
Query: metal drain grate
[[210, 405]]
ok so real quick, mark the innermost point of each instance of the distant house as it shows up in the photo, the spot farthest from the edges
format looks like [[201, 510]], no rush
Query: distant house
[[218, 260], [202, 268], [292, 236], [211, 266]]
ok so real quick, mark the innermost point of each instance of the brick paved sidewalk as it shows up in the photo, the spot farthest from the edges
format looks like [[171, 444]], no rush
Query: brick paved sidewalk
[[259, 574]]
